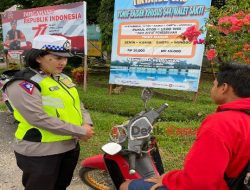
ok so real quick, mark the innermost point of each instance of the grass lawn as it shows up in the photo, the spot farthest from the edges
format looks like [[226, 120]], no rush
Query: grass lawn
[[2, 106], [109, 110]]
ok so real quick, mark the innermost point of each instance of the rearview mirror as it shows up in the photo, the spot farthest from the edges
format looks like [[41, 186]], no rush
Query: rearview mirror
[[111, 148], [146, 95]]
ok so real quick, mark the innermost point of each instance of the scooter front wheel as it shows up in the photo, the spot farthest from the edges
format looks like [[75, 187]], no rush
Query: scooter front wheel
[[96, 179]]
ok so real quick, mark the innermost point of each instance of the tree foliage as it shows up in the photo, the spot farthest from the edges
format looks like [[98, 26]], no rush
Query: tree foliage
[[105, 20], [5, 4]]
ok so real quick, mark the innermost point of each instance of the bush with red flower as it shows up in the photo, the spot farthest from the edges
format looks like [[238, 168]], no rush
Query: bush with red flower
[[228, 33]]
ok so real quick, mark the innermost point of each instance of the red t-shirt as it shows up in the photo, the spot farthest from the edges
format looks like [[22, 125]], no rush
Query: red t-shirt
[[222, 146]]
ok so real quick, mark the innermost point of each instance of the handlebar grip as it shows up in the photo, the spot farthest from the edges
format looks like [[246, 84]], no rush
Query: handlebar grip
[[163, 107], [132, 158]]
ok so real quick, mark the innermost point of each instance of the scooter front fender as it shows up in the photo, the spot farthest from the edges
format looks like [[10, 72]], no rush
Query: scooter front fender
[[96, 161]]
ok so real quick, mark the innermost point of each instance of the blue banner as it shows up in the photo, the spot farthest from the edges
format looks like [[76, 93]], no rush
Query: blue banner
[[148, 48]]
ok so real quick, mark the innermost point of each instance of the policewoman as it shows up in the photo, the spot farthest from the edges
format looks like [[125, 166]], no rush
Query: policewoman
[[51, 118]]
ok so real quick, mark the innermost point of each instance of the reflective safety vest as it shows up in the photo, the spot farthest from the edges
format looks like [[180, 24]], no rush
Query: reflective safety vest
[[60, 99]]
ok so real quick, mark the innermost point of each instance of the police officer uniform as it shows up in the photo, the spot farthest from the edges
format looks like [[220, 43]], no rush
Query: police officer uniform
[[50, 116]]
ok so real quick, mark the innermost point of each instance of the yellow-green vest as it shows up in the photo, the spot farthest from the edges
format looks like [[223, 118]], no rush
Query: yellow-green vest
[[58, 101]]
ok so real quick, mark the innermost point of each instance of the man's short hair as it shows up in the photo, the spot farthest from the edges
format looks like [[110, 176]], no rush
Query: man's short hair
[[13, 22], [237, 76]]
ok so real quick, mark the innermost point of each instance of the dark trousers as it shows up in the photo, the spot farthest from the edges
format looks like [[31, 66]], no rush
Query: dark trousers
[[140, 184], [48, 172]]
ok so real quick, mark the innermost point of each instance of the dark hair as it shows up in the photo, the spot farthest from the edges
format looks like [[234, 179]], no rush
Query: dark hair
[[13, 22], [237, 76], [30, 58]]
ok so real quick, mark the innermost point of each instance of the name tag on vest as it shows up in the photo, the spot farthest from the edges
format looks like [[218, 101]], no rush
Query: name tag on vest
[[53, 88], [67, 83]]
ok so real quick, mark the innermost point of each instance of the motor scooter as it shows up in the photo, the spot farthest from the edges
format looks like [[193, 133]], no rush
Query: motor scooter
[[131, 154], [4, 78]]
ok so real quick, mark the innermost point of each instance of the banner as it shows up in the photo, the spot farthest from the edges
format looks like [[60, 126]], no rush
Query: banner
[[147, 48], [94, 41], [68, 20], [14, 56]]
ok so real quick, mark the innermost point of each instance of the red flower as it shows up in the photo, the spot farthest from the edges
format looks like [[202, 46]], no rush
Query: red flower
[[240, 55], [191, 33], [225, 24], [235, 28], [211, 54], [200, 41], [225, 21], [229, 24], [246, 47], [246, 20]]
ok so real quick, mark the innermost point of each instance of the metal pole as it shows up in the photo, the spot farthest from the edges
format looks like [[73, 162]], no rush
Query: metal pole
[[7, 60], [110, 89], [85, 73], [195, 96]]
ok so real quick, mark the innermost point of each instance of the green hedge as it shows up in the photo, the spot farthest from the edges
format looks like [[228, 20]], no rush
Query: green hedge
[[128, 102]]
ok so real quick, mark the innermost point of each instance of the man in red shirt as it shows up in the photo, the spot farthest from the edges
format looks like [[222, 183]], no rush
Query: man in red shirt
[[222, 145], [14, 37]]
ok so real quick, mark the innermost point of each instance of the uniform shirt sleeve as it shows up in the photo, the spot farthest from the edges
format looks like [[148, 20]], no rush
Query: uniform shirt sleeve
[[204, 165], [85, 115], [30, 107]]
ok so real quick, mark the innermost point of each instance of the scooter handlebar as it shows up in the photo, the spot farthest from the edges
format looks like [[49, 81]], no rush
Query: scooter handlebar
[[163, 107], [132, 158]]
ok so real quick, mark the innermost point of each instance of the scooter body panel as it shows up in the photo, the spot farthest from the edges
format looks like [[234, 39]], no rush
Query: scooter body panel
[[118, 169], [96, 161], [123, 165]]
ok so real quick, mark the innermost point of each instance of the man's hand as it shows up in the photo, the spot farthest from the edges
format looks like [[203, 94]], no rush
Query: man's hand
[[157, 180], [89, 132]]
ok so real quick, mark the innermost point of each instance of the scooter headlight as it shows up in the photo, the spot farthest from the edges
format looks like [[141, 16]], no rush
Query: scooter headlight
[[118, 134]]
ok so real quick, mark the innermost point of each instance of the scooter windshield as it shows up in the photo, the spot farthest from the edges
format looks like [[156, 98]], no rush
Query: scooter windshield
[[140, 128]]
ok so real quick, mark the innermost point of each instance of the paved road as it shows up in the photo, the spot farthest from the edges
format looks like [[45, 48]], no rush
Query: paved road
[[2, 65], [10, 174]]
